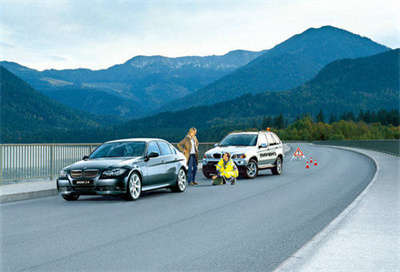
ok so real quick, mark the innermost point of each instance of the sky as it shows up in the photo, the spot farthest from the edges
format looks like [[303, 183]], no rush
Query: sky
[[99, 34]]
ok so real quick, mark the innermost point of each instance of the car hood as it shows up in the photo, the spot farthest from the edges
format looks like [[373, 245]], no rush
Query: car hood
[[103, 163], [231, 149]]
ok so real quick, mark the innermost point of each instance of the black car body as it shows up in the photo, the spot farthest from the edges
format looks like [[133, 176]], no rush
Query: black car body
[[125, 167]]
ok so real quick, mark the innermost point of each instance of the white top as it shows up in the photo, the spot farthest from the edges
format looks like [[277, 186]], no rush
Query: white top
[[193, 150]]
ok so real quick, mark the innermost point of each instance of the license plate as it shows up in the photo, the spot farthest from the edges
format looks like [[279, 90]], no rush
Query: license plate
[[83, 182]]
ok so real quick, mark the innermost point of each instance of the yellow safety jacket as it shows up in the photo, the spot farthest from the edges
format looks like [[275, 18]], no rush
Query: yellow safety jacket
[[230, 169]]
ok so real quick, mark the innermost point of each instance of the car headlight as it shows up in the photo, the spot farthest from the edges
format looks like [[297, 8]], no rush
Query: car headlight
[[63, 174], [238, 156], [114, 172]]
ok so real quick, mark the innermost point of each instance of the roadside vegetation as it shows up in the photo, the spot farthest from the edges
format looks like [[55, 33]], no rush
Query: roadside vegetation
[[366, 126]]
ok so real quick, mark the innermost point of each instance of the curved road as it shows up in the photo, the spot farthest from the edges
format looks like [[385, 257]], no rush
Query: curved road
[[254, 225]]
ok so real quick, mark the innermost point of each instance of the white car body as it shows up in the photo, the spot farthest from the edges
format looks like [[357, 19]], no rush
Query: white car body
[[265, 152]]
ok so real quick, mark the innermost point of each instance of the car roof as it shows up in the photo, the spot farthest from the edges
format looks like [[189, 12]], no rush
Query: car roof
[[136, 140], [251, 132]]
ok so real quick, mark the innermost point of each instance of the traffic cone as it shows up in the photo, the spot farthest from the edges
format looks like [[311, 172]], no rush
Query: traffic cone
[[311, 160], [315, 163], [307, 166]]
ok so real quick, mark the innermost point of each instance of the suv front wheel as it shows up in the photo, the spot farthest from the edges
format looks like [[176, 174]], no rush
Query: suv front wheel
[[251, 169]]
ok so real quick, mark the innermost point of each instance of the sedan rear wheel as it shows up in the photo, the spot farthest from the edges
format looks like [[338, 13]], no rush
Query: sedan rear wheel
[[181, 182], [134, 187]]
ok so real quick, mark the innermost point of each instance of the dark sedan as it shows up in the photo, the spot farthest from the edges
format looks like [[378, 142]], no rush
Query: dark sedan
[[125, 167]]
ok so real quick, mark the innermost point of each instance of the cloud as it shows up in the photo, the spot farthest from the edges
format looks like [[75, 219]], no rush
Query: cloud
[[103, 33]]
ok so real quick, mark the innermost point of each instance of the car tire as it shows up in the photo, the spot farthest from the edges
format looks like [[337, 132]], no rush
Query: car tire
[[207, 174], [277, 170], [251, 169], [181, 182], [71, 197], [134, 187]]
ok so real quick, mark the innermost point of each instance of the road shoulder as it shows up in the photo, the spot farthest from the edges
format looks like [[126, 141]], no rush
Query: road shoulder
[[365, 236]]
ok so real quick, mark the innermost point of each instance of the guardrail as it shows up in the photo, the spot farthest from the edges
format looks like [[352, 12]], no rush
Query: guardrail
[[387, 146], [37, 161]]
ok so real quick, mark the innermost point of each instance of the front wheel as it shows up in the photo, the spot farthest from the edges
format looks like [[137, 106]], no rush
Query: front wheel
[[134, 187], [277, 170], [251, 169], [181, 182]]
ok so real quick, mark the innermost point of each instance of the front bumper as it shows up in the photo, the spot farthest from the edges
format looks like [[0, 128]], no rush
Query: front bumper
[[111, 186]]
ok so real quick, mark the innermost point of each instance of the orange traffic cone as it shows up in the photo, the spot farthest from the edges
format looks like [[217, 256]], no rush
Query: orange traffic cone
[[307, 166], [315, 163], [311, 160]]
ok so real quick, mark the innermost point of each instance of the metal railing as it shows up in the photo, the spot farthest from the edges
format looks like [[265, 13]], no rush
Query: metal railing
[[20, 162], [387, 146], [35, 161]]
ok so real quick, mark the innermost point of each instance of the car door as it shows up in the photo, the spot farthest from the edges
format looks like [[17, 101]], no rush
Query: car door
[[262, 150], [169, 162], [154, 166], [272, 146]]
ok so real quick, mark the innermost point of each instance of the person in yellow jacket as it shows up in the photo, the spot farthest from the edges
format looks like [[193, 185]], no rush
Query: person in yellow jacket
[[226, 169]]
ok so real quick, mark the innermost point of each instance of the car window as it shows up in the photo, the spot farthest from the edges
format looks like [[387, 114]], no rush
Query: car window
[[153, 147], [271, 141], [164, 148], [239, 140], [119, 149], [173, 149], [263, 140], [276, 138]]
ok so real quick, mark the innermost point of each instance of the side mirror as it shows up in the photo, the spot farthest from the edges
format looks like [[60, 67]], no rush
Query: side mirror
[[215, 145], [153, 155], [262, 145], [85, 158]]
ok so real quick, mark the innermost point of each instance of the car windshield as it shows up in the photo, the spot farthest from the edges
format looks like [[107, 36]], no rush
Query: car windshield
[[119, 149], [240, 140]]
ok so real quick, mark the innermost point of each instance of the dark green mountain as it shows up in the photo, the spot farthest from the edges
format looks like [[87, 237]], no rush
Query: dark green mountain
[[29, 116], [285, 66], [135, 88], [370, 83]]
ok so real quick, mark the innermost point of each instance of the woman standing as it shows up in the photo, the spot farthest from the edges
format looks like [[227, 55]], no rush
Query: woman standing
[[189, 146]]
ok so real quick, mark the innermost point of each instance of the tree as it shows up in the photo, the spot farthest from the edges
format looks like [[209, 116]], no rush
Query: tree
[[279, 122], [320, 116]]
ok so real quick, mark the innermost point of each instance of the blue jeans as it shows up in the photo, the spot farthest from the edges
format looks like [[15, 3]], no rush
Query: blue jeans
[[192, 168]]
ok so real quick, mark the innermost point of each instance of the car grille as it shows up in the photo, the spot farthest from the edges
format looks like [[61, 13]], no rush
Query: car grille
[[90, 173], [84, 174], [217, 156], [76, 173]]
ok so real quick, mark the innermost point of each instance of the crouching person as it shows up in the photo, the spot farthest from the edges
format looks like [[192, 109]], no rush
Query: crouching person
[[226, 171]]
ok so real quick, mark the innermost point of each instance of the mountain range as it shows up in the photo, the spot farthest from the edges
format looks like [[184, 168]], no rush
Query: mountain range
[[283, 67], [28, 115], [348, 85], [344, 84], [135, 88]]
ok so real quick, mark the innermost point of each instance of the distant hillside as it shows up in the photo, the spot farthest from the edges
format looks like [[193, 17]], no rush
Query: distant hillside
[[285, 66], [28, 115], [370, 83], [135, 88]]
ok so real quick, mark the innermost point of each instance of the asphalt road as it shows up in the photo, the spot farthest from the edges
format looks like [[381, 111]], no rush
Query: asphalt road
[[254, 225]]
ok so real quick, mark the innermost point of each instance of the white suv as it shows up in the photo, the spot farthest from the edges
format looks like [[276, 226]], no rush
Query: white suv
[[251, 151]]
